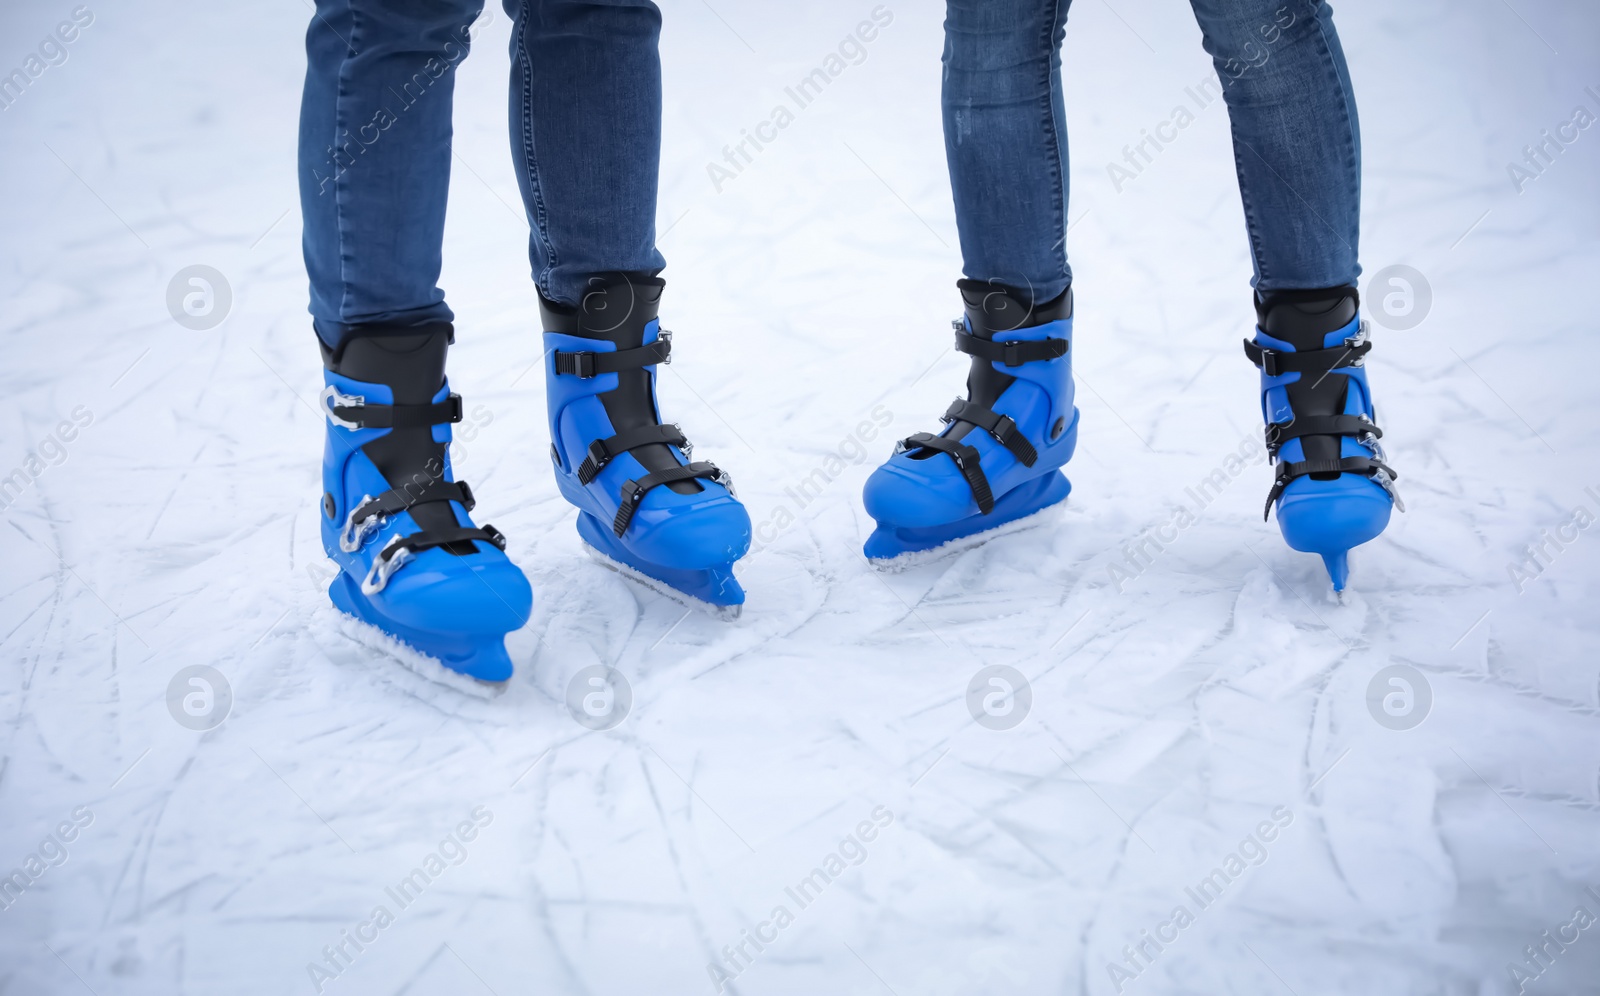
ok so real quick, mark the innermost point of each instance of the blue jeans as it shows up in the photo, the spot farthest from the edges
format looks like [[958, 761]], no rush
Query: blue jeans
[[375, 148], [1296, 141]]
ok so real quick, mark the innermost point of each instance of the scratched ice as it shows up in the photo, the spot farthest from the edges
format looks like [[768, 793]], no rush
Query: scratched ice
[[1209, 730]]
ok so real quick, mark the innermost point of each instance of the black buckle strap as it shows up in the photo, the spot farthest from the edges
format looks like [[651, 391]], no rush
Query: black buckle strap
[[586, 365], [967, 461], [1275, 363], [602, 451], [365, 416], [428, 539], [1012, 354], [1348, 465], [633, 492], [1278, 433], [402, 498], [1002, 427]]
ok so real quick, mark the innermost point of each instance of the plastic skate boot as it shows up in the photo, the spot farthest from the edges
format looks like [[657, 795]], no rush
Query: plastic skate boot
[[999, 456], [672, 524], [1333, 489], [412, 563]]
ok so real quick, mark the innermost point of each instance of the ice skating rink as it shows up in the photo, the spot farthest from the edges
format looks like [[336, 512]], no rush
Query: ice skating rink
[[1220, 779]]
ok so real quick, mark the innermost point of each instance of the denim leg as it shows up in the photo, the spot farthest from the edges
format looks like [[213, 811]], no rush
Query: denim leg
[[585, 114], [375, 157], [1005, 138], [1296, 138]]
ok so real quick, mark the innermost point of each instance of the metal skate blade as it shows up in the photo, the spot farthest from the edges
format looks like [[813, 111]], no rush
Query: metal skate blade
[[423, 665], [902, 562], [1338, 565], [726, 613]]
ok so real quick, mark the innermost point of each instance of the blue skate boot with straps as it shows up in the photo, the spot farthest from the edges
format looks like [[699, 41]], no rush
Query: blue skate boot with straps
[[412, 563], [1333, 488], [999, 456], [643, 506]]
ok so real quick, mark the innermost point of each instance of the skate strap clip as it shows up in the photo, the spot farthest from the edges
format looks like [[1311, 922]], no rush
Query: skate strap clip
[[367, 517], [633, 491], [352, 412], [1002, 427], [1275, 363], [1278, 433], [1375, 469], [1014, 353], [967, 461], [399, 550], [587, 365], [603, 451]]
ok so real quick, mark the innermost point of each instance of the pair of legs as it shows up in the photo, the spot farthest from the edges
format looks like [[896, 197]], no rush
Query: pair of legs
[[375, 158], [1296, 141], [1297, 145], [375, 149]]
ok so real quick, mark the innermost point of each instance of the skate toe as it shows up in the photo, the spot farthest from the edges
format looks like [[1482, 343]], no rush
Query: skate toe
[[917, 496], [442, 593], [689, 536], [1333, 516]]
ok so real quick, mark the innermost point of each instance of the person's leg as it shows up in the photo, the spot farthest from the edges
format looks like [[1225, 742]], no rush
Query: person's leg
[[375, 158], [1005, 138], [1297, 149], [1296, 138], [374, 173], [585, 116], [999, 457]]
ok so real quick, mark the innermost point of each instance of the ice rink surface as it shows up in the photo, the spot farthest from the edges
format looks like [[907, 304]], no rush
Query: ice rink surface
[[1209, 729]]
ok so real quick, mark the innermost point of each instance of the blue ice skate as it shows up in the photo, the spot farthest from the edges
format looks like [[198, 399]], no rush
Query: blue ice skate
[[999, 457], [411, 561], [672, 524], [1333, 489]]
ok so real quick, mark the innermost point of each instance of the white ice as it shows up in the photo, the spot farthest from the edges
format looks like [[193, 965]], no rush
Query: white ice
[[1172, 713]]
